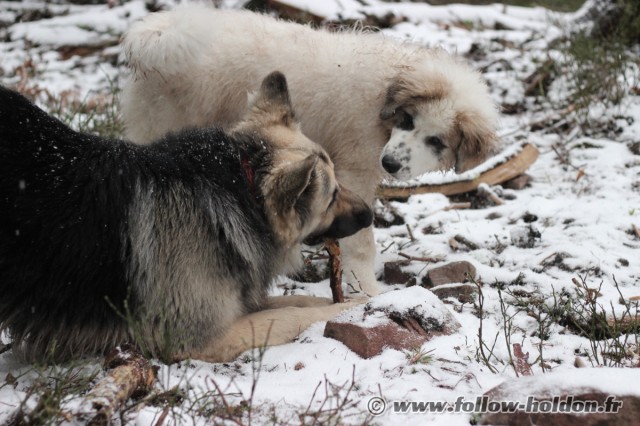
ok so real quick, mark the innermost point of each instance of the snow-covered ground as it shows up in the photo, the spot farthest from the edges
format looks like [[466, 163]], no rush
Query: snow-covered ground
[[583, 200]]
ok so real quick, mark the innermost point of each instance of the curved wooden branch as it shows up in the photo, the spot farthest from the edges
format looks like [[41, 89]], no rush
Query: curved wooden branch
[[505, 171]]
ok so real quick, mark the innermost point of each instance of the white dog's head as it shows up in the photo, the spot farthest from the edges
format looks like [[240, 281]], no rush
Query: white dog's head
[[440, 116]]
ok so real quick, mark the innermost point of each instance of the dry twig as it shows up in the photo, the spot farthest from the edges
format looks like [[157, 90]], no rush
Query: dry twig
[[420, 258], [463, 240], [454, 206]]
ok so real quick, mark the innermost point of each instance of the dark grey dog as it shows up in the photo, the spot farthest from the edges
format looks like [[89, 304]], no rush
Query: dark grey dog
[[103, 242]]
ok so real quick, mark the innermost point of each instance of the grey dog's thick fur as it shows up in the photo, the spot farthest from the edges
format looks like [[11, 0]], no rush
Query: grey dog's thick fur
[[168, 246], [356, 94]]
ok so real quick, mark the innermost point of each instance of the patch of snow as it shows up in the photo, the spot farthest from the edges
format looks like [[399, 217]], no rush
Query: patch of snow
[[583, 198]]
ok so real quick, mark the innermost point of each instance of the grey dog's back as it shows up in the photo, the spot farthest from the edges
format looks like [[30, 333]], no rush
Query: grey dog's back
[[103, 242]]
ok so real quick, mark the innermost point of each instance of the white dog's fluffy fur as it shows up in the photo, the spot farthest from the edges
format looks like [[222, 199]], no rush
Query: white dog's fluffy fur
[[363, 96]]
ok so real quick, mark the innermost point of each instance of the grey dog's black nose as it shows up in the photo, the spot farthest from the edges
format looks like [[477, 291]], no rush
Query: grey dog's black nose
[[390, 164]]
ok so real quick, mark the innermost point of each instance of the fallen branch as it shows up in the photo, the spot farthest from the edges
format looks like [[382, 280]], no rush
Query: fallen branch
[[454, 206], [335, 269], [457, 206], [420, 259], [505, 171], [129, 373], [463, 240]]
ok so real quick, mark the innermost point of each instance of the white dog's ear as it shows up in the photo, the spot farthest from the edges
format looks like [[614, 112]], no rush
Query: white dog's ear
[[393, 100], [404, 92], [477, 140]]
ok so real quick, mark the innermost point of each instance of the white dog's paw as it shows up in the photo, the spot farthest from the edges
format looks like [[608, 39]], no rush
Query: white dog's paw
[[361, 282]]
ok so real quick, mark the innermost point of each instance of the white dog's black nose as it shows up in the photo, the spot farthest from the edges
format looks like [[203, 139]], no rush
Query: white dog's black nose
[[390, 164]]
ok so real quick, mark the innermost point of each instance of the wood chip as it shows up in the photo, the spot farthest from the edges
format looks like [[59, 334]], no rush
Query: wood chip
[[522, 361]]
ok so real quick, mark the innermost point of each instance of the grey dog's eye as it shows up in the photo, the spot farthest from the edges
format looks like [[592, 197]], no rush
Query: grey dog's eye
[[435, 142], [404, 121]]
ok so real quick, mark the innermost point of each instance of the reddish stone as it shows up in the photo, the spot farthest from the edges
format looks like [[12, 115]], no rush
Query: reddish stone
[[579, 386], [369, 341], [454, 272], [368, 330], [628, 415]]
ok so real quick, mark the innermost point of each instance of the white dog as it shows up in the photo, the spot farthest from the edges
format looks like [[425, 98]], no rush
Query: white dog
[[369, 100]]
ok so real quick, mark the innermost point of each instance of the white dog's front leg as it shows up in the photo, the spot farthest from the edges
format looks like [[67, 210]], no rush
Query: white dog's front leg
[[358, 258]]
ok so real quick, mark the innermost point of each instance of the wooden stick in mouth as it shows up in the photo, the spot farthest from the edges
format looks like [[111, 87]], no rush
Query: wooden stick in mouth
[[335, 269]]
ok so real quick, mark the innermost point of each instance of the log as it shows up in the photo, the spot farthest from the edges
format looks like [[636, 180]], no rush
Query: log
[[294, 13], [129, 373], [503, 172], [335, 269]]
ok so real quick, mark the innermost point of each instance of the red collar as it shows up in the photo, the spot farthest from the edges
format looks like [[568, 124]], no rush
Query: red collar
[[249, 173]]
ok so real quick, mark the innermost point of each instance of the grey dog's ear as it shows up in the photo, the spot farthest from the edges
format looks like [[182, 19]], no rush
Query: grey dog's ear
[[271, 105], [274, 89], [292, 180]]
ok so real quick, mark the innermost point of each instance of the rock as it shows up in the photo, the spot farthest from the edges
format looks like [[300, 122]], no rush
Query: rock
[[393, 273], [403, 319], [465, 293], [517, 182], [369, 342], [454, 272], [525, 236], [602, 387], [628, 414]]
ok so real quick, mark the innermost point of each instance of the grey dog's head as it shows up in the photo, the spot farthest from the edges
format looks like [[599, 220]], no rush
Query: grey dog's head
[[440, 116], [302, 197]]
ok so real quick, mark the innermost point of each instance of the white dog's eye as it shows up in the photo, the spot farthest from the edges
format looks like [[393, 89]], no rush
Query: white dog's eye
[[435, 142], [404, 121]]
